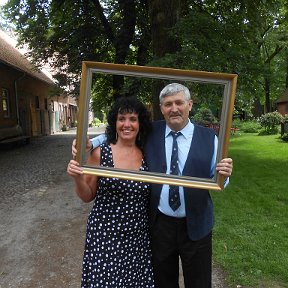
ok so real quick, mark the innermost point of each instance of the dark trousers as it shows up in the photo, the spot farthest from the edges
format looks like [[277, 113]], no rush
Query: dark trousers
[[169, 241]]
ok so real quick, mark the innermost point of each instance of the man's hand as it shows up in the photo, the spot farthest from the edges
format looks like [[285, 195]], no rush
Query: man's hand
[[88, 147], [225, 167]]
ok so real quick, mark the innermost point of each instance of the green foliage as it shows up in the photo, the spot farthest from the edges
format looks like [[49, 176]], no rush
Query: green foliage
[[4, 24], [204, 117], [65, 33], [249, 126], [244, 37], [101, 115], [242, 104], [237, 123], [272, 131], [96, 122], [270, 122], [285, 118]]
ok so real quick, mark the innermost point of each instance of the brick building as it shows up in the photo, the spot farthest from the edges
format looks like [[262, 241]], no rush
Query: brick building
[[282, 103], [26, 104]]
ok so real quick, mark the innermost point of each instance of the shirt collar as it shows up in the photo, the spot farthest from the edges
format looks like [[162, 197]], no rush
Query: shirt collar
[[186, 131]]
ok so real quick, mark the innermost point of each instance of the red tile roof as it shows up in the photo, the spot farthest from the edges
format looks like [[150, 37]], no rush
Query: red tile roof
[[12, 56]]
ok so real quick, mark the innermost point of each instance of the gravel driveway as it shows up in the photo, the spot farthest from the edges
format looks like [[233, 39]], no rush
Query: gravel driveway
[[43, 223]]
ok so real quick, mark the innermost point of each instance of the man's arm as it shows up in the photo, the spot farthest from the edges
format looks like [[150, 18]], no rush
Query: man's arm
[[98, 140]]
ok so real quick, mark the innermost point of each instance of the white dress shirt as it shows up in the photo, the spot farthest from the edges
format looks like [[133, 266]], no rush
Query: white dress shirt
[[184, 142]]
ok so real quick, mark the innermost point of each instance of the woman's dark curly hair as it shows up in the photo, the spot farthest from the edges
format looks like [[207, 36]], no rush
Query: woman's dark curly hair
[[126, 105]]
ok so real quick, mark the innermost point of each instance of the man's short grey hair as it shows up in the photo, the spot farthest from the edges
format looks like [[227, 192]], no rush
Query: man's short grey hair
[[172, 89]]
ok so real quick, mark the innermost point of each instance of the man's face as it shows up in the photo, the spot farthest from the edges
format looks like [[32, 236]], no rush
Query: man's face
[[175, 110]]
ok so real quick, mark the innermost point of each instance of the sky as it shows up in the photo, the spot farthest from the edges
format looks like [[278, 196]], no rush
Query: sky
[[2, 2]]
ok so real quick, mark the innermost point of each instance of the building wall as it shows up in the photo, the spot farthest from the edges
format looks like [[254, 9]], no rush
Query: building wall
[[7, 79], [25, 103], [63, 113], [33, 105], [31, 95], [282, 108]]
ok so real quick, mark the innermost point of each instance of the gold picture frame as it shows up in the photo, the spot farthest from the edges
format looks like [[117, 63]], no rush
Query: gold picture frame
[[229, 82]]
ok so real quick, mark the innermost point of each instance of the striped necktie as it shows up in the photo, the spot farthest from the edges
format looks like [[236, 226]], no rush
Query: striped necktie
[[174, 196]]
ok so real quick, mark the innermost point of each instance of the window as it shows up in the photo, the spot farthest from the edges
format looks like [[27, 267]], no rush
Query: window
[[5, 103]]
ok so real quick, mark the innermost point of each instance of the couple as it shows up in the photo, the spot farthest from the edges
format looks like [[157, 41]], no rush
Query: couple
[[117, 250]]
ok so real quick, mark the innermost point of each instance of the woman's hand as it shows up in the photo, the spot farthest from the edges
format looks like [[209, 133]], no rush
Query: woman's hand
[[74, 169]]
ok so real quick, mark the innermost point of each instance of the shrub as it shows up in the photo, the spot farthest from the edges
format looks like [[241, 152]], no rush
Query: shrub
[[74, 124], [64, 127], [270, 122], [96, 122], [237, 123], [272, 131], [250, 126], [204, 117], [284, 137], [284, 133]]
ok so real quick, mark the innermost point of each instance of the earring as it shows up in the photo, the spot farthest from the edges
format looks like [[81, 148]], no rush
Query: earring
[[116, 136]]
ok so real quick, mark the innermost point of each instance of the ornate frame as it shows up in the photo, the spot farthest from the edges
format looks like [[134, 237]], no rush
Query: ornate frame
[[228, 80]]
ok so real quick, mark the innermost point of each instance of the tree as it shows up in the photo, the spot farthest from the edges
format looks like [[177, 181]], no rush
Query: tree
[[164, 15], [270, 122], [244, 37], [60, 32], [273, 43], [66, 32], [4, 24]]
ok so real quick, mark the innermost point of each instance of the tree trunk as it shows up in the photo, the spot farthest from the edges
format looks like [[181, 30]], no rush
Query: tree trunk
[[164, 14], [123, 40], [257, 110], [286, 70], [267, 96]]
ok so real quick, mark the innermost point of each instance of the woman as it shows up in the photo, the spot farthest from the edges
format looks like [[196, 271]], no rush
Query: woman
[[117, 249]]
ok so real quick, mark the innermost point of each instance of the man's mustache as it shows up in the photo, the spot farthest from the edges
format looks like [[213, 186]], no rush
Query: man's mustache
[[173, 114]]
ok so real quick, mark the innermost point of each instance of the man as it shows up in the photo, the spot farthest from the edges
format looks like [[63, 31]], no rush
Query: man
[[181, 218]]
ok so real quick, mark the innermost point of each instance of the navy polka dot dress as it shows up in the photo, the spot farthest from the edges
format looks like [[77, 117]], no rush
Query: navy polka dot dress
[[117, 249]]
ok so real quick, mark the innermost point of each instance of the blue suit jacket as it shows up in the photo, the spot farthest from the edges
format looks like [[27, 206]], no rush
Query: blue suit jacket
[[198, 203]]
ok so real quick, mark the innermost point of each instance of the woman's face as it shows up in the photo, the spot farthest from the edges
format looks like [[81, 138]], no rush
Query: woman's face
[[127, 126]]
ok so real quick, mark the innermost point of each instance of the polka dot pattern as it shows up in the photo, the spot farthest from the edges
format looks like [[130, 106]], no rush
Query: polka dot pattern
[[117, 249]]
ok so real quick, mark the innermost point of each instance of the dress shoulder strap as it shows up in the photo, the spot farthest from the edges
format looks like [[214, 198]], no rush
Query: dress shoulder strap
[[106, 159]]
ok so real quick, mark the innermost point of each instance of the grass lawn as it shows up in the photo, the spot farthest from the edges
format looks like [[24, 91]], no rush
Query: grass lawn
[[251, 227]]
